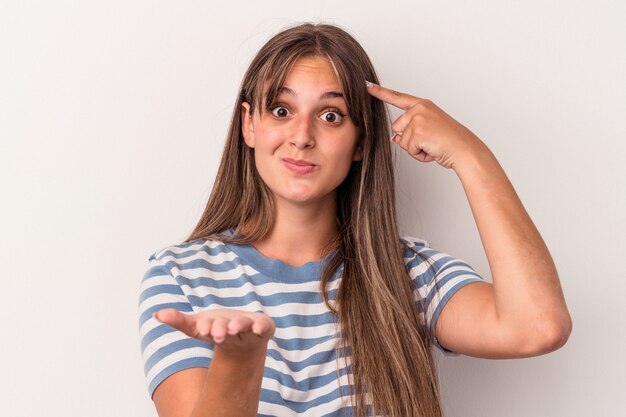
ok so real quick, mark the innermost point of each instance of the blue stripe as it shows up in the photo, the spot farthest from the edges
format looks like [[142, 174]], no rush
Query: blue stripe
[[316, 381], [221, 283], [147, 314], [154, 334], [288, 345], [418, 259], [441, 282], [174, 347], [235, 281], [312, 360], [276, 299], [215, 251], [280, 271], [436, 268], [345, 411], [273, 397], [301, 343], [299, 320], [157, 254], [342, 412], [223, 266], [156, 271], [235, 265], [444, 301], [160, 289], [412, 242], [264, 271]]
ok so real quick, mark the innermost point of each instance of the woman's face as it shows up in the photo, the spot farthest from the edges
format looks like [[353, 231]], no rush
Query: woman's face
[[305, 144]]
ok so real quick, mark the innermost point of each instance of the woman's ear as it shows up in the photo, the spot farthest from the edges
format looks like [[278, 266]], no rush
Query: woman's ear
[[247, 127]]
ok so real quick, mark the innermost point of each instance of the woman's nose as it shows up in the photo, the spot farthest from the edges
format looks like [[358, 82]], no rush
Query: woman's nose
[[302, 133]]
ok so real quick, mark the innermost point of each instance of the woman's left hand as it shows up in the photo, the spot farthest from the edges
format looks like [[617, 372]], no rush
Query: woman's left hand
[[523, 313], [425, 131]]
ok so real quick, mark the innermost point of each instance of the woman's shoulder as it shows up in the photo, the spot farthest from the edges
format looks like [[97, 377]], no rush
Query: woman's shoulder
[[421, 259], [208, 249], [416, 248], [182, 263], [413, 246], [177, 249]]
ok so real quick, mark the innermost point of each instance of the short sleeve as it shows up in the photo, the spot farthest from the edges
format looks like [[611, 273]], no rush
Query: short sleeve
[[437, 276], [165, 350]]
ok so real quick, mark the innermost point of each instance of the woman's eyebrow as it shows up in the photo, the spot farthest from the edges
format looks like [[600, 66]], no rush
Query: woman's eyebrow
[[326, 95], [331, 94]]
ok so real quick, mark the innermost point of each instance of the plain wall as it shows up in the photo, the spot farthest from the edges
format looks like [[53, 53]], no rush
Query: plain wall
[[112, 120]]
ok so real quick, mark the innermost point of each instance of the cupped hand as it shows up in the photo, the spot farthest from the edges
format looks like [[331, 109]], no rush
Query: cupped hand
[[232, 330], [425, 131]]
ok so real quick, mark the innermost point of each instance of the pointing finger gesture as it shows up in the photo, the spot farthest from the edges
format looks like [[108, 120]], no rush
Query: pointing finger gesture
[[425, 131]]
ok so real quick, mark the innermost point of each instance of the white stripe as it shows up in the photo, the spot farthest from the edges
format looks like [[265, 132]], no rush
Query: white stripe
[[272, 311], [425, 290], [297, 356], [177, 356], [161, 299], [293, 395], [439, 295], [195, 273], [195, 247], [269, 289], [165, 279], [423, 266], [264, 290], [201, 255]]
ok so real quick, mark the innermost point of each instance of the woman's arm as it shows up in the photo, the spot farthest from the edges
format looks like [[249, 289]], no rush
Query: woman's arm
[[232, 384], [523, 313]]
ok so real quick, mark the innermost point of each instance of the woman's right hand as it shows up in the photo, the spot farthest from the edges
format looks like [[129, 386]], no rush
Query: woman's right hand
[[233, 384], [236, 332]]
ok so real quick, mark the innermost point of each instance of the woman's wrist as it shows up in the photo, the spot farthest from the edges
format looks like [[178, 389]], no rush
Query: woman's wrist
[[243, 359], [475, 160]]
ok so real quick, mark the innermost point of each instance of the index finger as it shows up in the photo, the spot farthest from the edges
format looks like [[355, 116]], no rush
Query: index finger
[[400, 100]]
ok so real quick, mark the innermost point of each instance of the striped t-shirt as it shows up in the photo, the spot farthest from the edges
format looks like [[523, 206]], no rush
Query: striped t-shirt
[[302, 375]]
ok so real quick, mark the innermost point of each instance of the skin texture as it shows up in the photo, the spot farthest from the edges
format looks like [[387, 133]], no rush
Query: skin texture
[[523, 313], [240, 340], [319, 131], [307, 126], [299, 129]]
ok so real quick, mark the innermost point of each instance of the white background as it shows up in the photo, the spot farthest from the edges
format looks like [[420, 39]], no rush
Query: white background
[[112, 119]]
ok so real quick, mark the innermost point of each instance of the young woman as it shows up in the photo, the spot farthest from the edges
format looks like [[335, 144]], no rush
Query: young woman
[[295, 295]]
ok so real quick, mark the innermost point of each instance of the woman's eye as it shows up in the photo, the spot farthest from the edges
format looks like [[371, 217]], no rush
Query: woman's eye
[[333, 117], [280, 111]]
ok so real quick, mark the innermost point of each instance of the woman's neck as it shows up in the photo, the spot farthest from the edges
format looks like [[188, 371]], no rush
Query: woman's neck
[[300, 234]]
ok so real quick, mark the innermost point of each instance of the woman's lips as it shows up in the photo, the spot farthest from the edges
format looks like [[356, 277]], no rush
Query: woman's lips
[[299, 166]]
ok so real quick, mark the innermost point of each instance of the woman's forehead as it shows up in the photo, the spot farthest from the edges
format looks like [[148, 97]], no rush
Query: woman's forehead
[[316, 71], [287, 79]]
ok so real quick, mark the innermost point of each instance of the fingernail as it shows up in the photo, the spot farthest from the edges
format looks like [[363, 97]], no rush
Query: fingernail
[[368, 84], [218, 339]]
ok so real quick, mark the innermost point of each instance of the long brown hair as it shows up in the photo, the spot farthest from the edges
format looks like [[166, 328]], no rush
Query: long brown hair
[[392, 366]]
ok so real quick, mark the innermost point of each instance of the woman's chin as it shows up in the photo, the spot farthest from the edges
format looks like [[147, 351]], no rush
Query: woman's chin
[[301, 197]]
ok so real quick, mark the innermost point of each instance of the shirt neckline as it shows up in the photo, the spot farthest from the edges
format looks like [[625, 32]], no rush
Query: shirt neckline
[[275, 268]]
